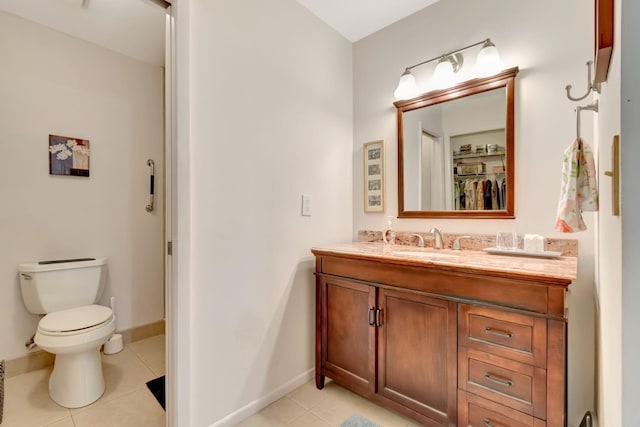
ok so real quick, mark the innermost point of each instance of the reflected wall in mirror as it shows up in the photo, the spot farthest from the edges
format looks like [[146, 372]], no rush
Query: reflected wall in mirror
[[455, 151]]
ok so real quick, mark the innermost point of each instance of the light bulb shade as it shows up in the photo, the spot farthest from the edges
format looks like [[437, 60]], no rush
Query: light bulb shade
[[488, 62], [407, 87], [443, 74]]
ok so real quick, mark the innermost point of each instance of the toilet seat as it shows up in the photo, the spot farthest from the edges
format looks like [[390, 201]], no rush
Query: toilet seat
[[75, 320]]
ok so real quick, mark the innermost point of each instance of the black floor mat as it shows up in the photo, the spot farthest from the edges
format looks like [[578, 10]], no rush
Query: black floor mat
[[157, 388]]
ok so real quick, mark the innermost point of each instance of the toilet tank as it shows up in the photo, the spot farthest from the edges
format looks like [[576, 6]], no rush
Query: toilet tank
[[49, 286]]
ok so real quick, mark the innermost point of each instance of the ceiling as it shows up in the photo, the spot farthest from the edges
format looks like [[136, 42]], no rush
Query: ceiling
[[136, 27], [356, 19], [132, 27]]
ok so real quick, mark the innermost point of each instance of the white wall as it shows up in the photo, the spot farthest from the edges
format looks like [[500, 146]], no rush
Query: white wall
[[179, 283], [618, 296], [270, 101], [51, 83], [609, 250], [550, 41], [630, 153]]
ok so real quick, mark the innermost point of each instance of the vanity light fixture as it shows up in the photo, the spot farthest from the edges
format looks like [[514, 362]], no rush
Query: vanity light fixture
[[444, 74], [487, 63], [407, 87]]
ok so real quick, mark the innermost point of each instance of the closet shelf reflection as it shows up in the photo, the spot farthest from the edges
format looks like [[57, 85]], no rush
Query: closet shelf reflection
[[468, 175], [476, 155]]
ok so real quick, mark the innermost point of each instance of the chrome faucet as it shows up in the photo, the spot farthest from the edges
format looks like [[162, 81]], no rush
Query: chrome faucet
[[437, 238], [456, 243], [420, 240]]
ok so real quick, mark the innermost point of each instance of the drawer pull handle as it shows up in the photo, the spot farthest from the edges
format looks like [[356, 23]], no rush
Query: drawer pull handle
[[487, 422], [498, 333], [505, 383], [370, 316]]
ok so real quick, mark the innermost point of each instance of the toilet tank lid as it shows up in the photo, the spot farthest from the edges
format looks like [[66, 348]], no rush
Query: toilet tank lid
[[35, 267], [75, 318]]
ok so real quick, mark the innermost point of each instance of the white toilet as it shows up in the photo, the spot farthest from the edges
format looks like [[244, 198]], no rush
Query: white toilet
[[74, 327]]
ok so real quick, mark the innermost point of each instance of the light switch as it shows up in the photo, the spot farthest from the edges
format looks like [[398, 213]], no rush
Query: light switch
[[306, 205]]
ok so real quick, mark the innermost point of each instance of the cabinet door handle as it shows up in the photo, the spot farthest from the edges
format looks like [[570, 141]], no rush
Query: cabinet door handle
[[505, 383], [487, 422], [370, 316], [496, 332], [378, 322]]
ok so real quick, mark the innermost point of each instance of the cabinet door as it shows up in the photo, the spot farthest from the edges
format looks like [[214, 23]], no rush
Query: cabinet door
[[348, 333], [417, 354]]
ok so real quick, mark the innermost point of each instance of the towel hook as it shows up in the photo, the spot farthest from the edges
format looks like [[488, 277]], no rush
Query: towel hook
[[590, 107], [591, 85]]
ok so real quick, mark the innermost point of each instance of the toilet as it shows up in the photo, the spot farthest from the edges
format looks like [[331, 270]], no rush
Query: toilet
[[73, 328]]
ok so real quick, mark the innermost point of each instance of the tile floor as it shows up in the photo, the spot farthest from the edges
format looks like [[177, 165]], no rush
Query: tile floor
[[307, 406], [128, 403]]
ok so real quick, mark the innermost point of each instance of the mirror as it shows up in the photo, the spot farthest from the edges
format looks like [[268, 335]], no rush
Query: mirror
[[455, 151]]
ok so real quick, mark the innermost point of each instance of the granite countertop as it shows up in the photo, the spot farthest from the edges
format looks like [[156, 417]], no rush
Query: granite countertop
[[563, 268]]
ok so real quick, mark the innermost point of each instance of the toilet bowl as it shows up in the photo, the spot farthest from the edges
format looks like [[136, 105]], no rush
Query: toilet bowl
[[74, 336], [74, 328]]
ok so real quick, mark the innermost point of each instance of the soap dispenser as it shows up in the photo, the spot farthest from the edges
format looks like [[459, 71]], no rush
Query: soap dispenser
[[389, 234]]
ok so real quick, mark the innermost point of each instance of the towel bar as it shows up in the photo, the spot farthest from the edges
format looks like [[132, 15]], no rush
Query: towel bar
[[590, 107], [152, 165]]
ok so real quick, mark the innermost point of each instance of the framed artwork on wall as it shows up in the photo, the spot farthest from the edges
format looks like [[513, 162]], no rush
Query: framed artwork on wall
[[374, 176], [68, 156]]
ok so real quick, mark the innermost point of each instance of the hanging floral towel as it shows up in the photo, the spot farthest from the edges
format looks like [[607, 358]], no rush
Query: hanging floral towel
[[579, 191]]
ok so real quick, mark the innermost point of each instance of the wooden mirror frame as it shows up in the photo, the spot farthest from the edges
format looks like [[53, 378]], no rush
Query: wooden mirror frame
[[504, 79]]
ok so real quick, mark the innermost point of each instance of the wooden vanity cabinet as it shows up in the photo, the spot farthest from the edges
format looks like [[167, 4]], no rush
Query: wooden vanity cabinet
[[441, 345], [394, 347]]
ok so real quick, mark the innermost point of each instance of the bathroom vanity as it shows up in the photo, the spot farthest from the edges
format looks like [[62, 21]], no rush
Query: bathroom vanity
[[447, 338]]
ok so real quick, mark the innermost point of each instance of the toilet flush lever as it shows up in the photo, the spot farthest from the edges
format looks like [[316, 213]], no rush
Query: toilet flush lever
[[25, 276]]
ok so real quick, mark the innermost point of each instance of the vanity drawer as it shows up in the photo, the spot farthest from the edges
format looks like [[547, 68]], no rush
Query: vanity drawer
[[517, 385], [474, 411], [511, 335]]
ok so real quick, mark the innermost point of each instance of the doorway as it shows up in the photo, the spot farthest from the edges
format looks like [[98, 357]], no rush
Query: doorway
[[64, 83]]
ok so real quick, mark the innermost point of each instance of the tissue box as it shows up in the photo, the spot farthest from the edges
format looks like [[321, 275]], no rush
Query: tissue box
[[533, 243]]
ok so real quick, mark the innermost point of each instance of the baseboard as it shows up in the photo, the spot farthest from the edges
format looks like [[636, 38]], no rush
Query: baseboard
[[40, 359], [142, 332], [33, 361], [258, 404]]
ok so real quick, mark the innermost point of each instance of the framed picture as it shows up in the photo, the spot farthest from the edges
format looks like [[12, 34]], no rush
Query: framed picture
[[68, 156], [374, 176]]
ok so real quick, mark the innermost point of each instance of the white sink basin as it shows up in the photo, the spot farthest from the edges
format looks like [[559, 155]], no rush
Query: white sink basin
[[426, 254]]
